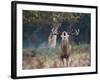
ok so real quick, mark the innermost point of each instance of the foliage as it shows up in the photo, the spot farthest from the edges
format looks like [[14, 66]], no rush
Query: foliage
[[42, 17], [37, 26]]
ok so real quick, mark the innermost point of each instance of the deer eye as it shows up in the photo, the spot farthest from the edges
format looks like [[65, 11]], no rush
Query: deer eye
[[64, 34]]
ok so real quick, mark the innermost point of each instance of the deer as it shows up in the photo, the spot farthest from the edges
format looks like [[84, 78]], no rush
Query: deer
[[66, 49], [52, 39]]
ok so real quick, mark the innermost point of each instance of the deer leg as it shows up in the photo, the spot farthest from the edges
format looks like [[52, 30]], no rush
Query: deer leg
[[68, 61], [62, 62]]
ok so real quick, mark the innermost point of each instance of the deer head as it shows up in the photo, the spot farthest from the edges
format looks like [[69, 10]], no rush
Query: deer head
[[65, 35], [55, 27]]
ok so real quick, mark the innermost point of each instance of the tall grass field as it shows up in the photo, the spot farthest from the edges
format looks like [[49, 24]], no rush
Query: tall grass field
[[39, 58]]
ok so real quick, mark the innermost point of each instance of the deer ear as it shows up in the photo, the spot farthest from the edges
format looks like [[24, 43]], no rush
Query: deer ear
[[61, 36], [68, 35]]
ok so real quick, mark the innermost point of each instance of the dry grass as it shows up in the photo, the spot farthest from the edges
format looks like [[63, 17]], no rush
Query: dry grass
[[49, 58]]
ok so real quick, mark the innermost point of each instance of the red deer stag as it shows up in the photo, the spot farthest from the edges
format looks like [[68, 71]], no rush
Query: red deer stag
[[52, 39], [66, 49]]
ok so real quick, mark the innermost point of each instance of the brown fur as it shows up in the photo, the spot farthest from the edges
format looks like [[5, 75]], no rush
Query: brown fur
[[52, 40], [66, 51]]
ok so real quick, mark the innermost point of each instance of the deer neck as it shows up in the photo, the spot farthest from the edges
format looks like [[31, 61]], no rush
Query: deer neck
[[66, 42]]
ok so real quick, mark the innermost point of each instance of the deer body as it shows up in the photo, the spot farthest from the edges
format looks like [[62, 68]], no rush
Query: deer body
[[65, 48], [52, 40]]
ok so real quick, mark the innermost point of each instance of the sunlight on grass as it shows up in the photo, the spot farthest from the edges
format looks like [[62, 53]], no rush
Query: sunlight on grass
[[49, 58]]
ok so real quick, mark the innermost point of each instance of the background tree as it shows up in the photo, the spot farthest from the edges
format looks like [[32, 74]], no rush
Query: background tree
[[41, 23]]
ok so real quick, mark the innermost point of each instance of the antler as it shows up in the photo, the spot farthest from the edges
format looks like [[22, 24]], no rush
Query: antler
[[77, 31], [74, 32], [55, 28]]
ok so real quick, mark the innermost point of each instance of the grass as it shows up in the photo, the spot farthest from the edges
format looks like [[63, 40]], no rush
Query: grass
[[49, 58]]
